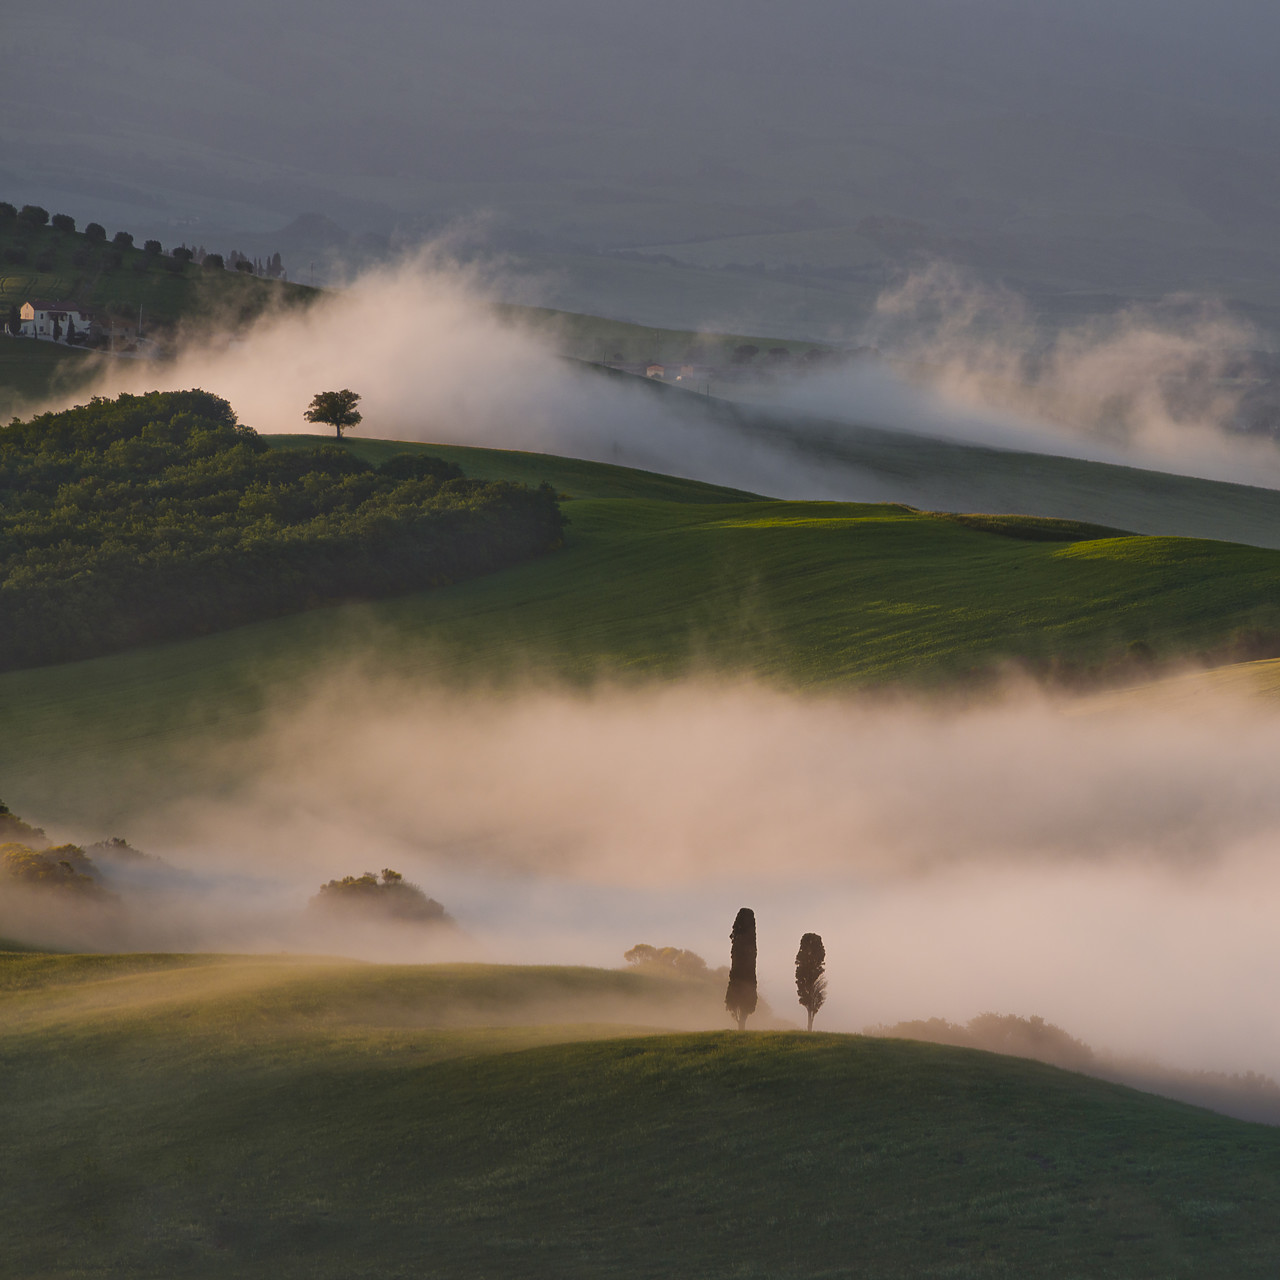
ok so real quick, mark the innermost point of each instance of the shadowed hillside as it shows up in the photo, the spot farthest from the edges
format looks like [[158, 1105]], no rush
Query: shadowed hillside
[[174, 1116]]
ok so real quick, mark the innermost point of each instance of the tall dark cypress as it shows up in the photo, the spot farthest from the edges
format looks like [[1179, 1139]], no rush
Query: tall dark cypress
[[740, 997], [811, 964]]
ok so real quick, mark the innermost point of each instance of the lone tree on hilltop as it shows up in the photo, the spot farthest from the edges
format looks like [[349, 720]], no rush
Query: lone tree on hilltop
[[740, 997], [336, 409], [811, 964]]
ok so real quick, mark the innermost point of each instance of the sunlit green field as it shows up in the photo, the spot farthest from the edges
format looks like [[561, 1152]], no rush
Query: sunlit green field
[[215, 1116], [675, 579]]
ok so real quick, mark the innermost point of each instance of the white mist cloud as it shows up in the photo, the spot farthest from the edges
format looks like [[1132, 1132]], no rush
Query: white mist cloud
[[1147, 387], [434, 360], [1109, 869]]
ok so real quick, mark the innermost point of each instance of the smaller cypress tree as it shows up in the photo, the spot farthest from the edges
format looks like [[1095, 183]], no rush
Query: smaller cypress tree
[[740, 996], [811, 964]]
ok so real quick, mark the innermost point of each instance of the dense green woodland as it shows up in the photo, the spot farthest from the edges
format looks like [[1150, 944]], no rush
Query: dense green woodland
[[159, 516]]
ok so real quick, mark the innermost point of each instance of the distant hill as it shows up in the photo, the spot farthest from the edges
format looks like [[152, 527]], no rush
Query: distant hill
[[142, 294]]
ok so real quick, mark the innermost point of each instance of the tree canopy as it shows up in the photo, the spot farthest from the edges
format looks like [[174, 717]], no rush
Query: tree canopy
[[740, 996], [391, 897], [336, 409], [159, 516], [811, 985]]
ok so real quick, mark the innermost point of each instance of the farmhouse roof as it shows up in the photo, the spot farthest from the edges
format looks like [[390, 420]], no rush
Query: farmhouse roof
[[44, 304]]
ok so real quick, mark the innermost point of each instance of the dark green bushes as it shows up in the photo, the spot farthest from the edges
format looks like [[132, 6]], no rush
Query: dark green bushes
[[158, 516], [392, 898]]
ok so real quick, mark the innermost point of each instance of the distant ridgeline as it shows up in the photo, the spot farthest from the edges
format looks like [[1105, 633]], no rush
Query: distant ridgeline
[[157, 517]]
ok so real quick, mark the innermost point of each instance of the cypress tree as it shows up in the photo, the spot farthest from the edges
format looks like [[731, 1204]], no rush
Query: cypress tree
[[811, 964], [740, 997]]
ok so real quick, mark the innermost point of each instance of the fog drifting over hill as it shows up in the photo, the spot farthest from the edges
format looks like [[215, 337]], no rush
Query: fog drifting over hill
[[1109, 867], [434, 361]]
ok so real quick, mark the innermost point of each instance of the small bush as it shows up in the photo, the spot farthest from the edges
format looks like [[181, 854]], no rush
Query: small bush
[[391, 898], [122, 240], [63, 222], [183, 254], [65, 868], [96, 232], [34, 215], [214, 262], [153, 248], [7, 211], [687, 964]]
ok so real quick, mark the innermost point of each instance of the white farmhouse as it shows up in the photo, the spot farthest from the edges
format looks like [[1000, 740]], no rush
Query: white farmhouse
[[39, 318]]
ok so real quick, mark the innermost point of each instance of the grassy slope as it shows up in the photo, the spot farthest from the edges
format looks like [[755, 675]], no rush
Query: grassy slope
[[944, 475], [806, 594], [597, 338], [191, 1116]]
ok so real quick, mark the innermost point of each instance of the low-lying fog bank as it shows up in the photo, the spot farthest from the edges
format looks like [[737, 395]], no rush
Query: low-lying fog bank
[[1109, 868]]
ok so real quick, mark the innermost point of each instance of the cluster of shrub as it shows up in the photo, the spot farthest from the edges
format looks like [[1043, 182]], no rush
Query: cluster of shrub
[[28, 858], [159, 516], [390, 897]]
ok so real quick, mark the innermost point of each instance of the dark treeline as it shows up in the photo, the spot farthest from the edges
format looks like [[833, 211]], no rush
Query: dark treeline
[[157, 517]]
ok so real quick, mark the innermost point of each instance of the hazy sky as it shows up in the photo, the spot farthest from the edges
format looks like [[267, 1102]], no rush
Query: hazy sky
[[1125, 145]]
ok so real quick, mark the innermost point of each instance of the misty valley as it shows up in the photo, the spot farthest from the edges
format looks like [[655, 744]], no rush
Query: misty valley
[[640, 644]]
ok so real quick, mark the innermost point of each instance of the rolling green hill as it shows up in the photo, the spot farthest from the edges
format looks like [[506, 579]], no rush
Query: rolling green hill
[[952, 475], [660, 584], [45, 262], [135, 288], [214, 1116]]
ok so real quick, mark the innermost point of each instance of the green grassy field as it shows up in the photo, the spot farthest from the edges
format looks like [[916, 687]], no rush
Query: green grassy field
[[675, 579], [222, 1116]]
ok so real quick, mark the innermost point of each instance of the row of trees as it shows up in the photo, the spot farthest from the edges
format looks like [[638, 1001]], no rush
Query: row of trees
[[35, 216], [740, 997]]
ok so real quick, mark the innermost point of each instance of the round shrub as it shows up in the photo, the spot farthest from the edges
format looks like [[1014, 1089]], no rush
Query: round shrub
[[63, 222], [96, 231]]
